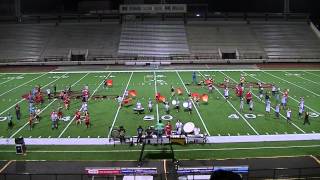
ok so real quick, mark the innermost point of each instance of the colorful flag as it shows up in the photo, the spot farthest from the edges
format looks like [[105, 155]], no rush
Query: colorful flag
[[179, 91], [132, 93], [127, 101], [205, 98], [208, 81], [162, 99], [109, 82]]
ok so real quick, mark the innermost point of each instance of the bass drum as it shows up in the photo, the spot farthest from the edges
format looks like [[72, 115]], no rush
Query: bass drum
[[188, 127]]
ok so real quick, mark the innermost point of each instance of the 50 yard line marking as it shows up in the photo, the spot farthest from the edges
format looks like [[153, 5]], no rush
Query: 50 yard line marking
[[254, 130], [156, 90], [47, 105], [65, 129], [195, 107], [115, 117], [264, 102], [292, 83]]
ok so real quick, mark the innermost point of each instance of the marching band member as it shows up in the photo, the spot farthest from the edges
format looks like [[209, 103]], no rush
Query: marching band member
[[150, 105], [179, 125], [248, 97], [251, 105], [190, 106], [268, 107], [54, 120], [78, 117], [177, 106], [172, 91], [168, 129], [84, 107], [241, 104], [87, 119], [167, 107], [226, 82], [242, 80], [288, 115], [226, 93]]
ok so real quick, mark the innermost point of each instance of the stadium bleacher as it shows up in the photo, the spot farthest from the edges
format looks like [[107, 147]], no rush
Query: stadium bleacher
[[168, 39]]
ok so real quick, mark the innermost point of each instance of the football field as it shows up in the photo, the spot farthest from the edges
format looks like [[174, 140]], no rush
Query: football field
[[217, 117]]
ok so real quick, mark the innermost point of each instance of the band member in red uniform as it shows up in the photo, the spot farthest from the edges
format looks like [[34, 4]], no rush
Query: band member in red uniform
[[168, 129], [248, 97], [66, 102], [87, 119], [78, 117], [60, 114]]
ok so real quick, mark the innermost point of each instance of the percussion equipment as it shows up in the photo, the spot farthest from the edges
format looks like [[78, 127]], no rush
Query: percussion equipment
[[181, 140], [148, 117], [185, 104], [188, 127], [139, 110], [174, 102]]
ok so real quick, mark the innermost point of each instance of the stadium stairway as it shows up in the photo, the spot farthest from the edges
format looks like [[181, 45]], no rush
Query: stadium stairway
[[153, 39]]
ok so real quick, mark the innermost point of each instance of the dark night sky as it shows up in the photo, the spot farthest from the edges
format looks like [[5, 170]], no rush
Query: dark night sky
[[48, 6]]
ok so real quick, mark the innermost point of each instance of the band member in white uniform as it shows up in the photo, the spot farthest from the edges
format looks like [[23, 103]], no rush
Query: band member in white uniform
[[150, 105]]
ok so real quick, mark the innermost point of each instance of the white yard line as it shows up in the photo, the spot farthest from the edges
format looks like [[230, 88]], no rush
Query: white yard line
[[23, 84], [11, 79], [47, 105], [194, 105], [306, 79], [176, 150], [292, 83], [119, 106], [156, 90], [289, 96], [311, 73], [65, 129], [24, 99], [271, 106], [245, 120]]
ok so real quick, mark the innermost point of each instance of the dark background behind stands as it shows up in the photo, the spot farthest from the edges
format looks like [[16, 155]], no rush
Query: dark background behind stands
[[74, 6]]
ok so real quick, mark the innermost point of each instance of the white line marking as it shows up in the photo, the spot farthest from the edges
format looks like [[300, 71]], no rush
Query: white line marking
[[115, 117], [306, 79], [234, 107], [156, 90], [292, 83], [46, 106], [177, 150], [194, 105], [311, 73], [64, 130], [24, 99], [11, 79], [264, 103], [22, 84]]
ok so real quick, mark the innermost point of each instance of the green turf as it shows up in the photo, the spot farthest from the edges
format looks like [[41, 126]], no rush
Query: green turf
[[212, 118], [125, 152]]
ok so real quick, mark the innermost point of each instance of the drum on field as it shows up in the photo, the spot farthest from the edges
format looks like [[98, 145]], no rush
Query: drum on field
[[188, 127], [174, 102], [185, 104]]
